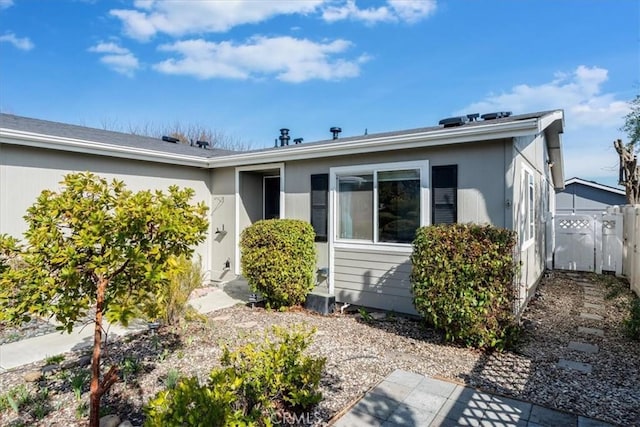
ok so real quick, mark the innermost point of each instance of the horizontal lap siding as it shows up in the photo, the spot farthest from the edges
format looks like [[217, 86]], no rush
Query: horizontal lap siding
[[373, 278]]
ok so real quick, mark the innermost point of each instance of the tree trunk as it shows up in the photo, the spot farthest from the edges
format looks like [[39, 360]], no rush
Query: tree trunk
[[629, 172], [96, 390]]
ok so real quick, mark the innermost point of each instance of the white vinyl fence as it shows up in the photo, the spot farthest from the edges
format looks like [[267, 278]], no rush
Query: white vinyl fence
[[606, 242]]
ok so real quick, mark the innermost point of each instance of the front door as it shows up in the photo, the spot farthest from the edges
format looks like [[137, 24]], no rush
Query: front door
[[271, 197]]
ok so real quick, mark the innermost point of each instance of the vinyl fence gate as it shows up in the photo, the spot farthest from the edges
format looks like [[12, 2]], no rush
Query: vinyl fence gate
[[589, 242]]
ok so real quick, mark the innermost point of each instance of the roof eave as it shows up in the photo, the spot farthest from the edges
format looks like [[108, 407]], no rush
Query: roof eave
[[430, 138], [30, 139], [552, 125]]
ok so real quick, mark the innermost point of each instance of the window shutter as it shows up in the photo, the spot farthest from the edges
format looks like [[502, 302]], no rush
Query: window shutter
[[320, 205], [444, 198]]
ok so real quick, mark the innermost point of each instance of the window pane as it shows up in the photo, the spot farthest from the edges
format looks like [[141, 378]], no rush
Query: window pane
[[319, 205], [399, 205], [355, 207]]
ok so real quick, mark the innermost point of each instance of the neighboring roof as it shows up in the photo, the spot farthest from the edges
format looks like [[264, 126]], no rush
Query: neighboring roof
[[24, 128], [593, 184]]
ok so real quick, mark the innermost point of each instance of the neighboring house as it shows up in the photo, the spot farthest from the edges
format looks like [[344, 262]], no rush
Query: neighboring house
[[365, 195], [587, 197]]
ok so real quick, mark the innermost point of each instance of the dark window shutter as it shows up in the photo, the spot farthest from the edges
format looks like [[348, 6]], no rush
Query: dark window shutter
[[444, 198], [320, 205]]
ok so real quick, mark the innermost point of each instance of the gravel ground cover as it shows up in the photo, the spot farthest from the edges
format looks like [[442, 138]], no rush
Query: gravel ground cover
[[361, 353]]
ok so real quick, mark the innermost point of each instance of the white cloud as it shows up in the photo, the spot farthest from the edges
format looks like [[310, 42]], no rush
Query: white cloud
[[592, 117], [579, 93], [5, 4], [116, 57], [109, 47], [181, 17], [395, 10], [22, 43], [289, 59]]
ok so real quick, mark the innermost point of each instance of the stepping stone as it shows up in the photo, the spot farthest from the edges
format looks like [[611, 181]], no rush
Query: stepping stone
[[583, 347], [591, 316], [590, 331], [576, 366], [594, 306]]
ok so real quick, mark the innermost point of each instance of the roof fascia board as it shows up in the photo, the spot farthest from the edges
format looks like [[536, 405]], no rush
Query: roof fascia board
[[13, 137], [595, 185], [385, 143]]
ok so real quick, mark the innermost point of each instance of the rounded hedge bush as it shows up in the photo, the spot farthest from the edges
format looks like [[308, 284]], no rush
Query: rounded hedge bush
[[278, 258], [462, 283]]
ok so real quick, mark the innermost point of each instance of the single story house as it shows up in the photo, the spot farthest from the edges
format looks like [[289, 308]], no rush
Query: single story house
[[364, 195], [587, 197]]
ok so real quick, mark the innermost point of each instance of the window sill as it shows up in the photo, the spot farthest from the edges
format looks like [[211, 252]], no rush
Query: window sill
[[370, 246]]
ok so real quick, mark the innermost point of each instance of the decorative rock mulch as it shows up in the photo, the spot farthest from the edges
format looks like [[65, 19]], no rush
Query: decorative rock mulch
[[361, 353]]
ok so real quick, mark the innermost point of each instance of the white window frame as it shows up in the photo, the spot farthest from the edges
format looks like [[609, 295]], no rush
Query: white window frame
[[334, 173], [528, 207]]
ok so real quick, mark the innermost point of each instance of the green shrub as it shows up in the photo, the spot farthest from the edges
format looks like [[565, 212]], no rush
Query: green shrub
[[632, 321], [255, 381], [462, 283], [279, 260], [170, 304]]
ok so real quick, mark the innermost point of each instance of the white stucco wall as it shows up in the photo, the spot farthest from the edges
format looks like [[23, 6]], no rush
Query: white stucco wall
[[25, 172]]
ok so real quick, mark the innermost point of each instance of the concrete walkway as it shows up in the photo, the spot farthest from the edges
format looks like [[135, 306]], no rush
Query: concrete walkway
[[408, 399], [31, 350]]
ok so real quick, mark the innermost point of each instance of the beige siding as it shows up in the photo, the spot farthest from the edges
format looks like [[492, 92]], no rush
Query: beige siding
[[374, 278], [26, 171]]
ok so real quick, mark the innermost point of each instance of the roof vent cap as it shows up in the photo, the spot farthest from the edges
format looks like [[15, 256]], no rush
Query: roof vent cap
[[335, 131], [473, 117], [496, 115], [284, 137], [453, 121], [170, 139], [298, 140], [202, 144]]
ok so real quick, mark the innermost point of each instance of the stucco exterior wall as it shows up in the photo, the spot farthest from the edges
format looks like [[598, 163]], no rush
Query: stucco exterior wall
[[530, 154], [26, 171]]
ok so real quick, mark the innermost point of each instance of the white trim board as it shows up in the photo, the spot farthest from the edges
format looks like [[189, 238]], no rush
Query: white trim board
[[236, 233]]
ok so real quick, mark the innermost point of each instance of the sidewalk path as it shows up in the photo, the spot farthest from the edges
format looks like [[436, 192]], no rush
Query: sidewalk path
[[31, 350]]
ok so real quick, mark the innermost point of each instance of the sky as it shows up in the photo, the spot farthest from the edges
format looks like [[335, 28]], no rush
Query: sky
[[247, 68]]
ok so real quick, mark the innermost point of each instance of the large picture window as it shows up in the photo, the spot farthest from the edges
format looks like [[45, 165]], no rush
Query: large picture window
[[382, 205]]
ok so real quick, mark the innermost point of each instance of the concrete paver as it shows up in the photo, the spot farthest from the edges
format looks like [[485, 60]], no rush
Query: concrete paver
[[426, 404], [549, 417], [591, 316], [590, 331], [576, 366], [594, 306], [583, 347]]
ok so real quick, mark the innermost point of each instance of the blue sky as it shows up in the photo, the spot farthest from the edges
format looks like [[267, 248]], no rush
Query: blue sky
[[248, 68]]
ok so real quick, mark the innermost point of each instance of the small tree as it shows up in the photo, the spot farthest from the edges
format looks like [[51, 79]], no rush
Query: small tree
[[629, 170], [97, 244]]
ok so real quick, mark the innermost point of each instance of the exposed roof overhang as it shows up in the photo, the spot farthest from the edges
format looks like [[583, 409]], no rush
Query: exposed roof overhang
[[428, 138], [552, 125], [30, 139], [592, 184]]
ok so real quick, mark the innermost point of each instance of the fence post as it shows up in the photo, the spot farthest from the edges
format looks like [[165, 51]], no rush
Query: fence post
[[635, 279]]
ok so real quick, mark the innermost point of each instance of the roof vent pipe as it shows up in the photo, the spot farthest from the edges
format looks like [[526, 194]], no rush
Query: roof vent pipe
[[202, 144], [335, 131], [284, 137], [298, 141], [170, 139]]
